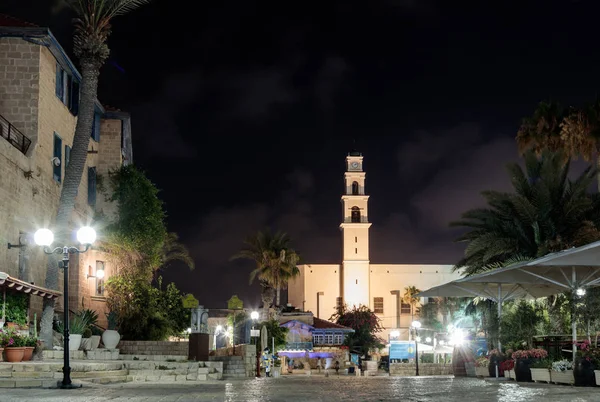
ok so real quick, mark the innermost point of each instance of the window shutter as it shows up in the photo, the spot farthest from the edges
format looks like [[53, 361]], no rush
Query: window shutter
[[59, 81], [96, 127], [92, 186], [57, 170], [74, 98], [67, 155]]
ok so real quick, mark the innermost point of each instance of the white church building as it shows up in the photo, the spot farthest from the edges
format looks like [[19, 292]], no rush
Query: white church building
[[321, 287]]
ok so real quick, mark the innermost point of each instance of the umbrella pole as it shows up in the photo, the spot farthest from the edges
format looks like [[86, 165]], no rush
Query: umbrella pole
[[573, 313], [499, 316]]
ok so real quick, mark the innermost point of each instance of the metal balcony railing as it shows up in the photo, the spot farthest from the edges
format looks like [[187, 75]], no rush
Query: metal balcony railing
[[362, 219], [11, 134]]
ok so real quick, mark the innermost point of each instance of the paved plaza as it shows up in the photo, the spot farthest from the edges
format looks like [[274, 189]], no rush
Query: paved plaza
[[303, 388]]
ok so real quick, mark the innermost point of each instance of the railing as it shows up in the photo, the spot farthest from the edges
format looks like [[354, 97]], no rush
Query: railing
[[299, 345], [11, 134], [363, 219]]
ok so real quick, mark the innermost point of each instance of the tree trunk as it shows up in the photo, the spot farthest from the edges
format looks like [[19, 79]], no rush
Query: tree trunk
[[90, 71], [278, 298]]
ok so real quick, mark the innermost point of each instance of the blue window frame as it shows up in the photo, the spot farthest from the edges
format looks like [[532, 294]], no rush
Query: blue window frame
[[96, 126], [67, 89], [92, 186], [57, 170]]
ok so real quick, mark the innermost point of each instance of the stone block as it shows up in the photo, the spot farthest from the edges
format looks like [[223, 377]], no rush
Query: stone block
[[202, 377], [215, 376]]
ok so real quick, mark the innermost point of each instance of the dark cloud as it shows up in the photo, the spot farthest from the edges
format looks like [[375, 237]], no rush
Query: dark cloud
[[156, 132]]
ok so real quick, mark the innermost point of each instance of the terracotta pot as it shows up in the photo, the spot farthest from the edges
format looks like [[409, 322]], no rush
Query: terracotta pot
[[28, 353], [14, 355], [1, 353], [12, 325]]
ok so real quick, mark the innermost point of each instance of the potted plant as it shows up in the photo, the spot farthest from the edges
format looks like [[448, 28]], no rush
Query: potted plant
[[13, 344], [111, 337], [562, 372], [30, 343], [495, 361], [77, 325], [540, 371], [86, 340], [585, 362], [481, 366], [523, 361], [508, 368]]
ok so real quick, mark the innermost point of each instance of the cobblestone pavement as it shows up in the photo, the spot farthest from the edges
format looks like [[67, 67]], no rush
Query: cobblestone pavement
[[301, 388]]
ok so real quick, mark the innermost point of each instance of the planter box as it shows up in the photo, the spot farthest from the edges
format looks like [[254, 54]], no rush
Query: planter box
[[512, 375], [470, 369], [562, 377], [540, 375], [597, 373], [482, 371]]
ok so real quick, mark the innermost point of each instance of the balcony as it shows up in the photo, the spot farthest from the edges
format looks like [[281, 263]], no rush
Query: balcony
[[11, 134], [299, 346], [361, 219]]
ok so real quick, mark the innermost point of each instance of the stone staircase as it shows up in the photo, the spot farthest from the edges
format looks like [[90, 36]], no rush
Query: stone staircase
[[233, 366]]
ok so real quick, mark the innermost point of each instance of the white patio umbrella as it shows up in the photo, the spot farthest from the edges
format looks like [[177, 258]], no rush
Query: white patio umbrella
[[574, 269], [496, 291]]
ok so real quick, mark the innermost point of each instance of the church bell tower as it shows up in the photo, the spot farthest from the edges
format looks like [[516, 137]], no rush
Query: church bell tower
[[354, 280]]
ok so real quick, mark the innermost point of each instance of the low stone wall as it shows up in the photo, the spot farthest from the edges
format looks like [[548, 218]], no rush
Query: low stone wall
[[409, 369], [153, 348]]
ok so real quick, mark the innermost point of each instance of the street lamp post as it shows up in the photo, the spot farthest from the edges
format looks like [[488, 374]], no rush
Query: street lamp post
[[44, 237], [254, 315], [416, 325]]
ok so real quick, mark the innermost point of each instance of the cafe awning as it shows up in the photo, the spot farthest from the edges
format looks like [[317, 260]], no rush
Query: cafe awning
[[10, 283]]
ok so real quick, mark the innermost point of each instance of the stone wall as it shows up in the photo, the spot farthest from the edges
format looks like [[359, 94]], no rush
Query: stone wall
[[407, 369], [153, 348]]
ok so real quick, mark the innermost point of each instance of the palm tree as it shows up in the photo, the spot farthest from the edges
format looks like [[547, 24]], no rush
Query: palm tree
[[546, 212], [92, 28], [576, 132], [275, 261], [410, 297]]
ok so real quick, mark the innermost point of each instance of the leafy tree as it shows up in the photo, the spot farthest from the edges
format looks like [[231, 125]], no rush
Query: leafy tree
[[521, 320], [546, 212], [365, 324], [92, 29], [275, 261], [274, 329]]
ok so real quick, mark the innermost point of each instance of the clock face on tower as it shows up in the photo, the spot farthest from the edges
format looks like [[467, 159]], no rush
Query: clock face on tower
[[354, 165]]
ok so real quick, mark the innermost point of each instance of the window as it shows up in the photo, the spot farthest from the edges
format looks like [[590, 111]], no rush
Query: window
[[318, 339], [378, 305], [96, 126], [338, 338], [67, 89], [67, 155], [355, 239], [99, 281], [355, 215], [57, 163], [355, 188], [355, 251], [92, 186], [405, 308], [328, 339]]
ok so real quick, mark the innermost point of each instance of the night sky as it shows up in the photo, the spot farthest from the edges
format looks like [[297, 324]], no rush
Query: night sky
[[243, 113]]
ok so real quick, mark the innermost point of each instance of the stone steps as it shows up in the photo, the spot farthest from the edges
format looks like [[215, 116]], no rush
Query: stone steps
[[27, 383], [109, 379], [98, 374]]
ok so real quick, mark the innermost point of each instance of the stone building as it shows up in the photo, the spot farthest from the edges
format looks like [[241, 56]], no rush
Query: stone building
[[39, 94], [322, 288]]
